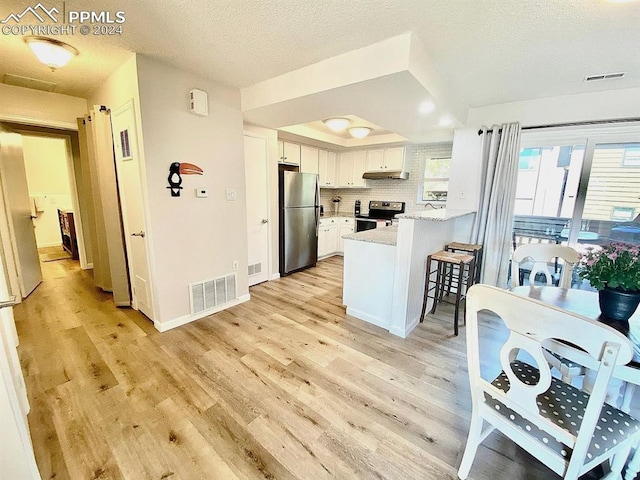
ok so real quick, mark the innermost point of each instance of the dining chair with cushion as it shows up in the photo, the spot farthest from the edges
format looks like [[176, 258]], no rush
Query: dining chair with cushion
[[568, 430], [541, 254]]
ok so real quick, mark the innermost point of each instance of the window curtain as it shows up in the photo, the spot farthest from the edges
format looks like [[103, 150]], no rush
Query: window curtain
[[494, 221]]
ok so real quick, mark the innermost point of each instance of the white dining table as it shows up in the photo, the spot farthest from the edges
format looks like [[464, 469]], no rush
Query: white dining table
[[585, 303]]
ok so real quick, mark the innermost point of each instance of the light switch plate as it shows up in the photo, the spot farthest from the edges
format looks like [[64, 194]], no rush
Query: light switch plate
[[232, 196], [202, 192]]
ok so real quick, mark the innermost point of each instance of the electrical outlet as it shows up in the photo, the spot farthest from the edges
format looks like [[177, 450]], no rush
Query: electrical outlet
[[235, 265], [202, 192]]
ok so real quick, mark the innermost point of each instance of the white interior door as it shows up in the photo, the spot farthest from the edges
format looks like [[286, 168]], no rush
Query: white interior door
[[125, 141], [257, 186], [18, 207]]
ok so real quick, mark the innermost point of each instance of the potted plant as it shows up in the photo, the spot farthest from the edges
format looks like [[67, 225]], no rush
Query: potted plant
[[614, 270]]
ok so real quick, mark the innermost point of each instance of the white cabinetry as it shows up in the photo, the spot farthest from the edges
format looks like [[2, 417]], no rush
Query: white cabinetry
[[327, 236], [330, 234], [351, 166], [289, 152], [327, 166], [387, 159], [308, 159], [345, 227], [394, 158]]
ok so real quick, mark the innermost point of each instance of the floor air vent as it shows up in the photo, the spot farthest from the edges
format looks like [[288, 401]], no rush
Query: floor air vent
[[255, 269], [212, 293]]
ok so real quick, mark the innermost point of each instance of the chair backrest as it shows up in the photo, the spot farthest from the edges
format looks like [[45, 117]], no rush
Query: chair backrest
[[532, 324], [541, 254]]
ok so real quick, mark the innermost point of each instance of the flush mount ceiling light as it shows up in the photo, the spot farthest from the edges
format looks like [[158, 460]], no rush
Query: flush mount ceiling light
[[427, 107], [445, 122], [337, 124], [359, 132], [53, 53]]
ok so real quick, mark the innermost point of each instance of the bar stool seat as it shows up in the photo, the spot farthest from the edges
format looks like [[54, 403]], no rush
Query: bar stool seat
[[472, 249], [446, 275]]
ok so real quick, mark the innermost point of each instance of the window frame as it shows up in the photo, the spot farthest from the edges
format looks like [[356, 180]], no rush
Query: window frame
[[421, 184]]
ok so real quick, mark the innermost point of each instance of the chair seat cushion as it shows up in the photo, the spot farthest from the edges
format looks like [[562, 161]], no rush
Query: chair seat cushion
[[564, 405]]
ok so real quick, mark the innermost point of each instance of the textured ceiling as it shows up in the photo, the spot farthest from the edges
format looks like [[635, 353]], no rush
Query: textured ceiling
[[490, 51]]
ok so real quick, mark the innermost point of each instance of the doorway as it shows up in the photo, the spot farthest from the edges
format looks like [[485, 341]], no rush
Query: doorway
[[257, 187]]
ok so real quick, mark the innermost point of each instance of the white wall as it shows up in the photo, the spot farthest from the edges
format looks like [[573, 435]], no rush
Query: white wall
[[33, 107], [194, 239], [45, 161], [465, 170]]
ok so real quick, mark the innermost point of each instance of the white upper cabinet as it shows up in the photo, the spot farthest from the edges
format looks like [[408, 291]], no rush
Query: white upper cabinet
[[351, 166], [394, 158], [308, 159], [359, 167], [327, 166], [375, 160], [387, 159], [289, 152]]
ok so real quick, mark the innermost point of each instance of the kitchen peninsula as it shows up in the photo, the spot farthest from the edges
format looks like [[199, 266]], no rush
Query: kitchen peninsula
[[384, 268]]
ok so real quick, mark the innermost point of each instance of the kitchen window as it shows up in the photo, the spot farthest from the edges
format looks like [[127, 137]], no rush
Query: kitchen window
[[435, 180]]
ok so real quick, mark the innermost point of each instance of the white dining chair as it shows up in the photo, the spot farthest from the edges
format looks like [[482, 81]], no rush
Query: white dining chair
[[541, 254], [568, 430]]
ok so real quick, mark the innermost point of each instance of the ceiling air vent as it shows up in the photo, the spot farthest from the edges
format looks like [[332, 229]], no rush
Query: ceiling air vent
[[26, 82], [604, 76]]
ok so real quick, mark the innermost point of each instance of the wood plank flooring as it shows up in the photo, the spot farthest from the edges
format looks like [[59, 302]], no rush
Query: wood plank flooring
[[285, 386]]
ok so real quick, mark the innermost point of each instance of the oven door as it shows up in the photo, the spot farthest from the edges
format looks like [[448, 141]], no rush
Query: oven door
[[363, 224]]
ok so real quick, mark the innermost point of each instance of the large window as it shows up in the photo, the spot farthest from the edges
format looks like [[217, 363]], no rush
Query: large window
[[585, 191], [435, 179]]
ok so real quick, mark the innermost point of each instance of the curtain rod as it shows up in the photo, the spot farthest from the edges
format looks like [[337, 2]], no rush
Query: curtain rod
[[572, 124]]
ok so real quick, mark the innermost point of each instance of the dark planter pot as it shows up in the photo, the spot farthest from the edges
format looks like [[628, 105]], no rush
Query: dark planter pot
[[618, 305]]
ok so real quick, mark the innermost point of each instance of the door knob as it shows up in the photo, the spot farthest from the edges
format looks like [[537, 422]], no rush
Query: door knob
[[139, 234], [264, 220]]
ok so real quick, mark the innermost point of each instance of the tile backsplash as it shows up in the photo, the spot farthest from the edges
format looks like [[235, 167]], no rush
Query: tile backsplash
[[391, 190]]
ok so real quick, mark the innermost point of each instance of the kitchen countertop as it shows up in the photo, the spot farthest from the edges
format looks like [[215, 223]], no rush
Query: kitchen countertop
[[339, 215], [439, 215], [381, 235]]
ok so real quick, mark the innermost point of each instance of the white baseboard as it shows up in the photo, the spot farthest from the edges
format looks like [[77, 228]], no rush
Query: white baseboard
[[89, 266], [275, 276], [49, 244], [404, 332], [177, 322], [379, 322]]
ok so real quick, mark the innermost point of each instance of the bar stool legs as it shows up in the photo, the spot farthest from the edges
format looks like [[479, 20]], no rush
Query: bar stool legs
[[448, 264]]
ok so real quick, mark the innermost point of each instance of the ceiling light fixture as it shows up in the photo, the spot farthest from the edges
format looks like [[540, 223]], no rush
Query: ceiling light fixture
[[445, 122], [53, 53], [337, 124], [359, 132], [427, 107]]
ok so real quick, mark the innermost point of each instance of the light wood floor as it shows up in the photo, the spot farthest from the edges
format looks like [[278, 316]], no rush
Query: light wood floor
[[284, 386]]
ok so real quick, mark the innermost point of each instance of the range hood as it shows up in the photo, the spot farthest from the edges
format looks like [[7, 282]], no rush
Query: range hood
[[383, 175]]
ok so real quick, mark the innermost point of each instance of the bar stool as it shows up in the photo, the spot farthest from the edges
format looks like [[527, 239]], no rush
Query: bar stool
[[471, 249], [446, 274]]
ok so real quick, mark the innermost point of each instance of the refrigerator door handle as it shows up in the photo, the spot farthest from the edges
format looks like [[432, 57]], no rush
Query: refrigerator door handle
[[317, 206]]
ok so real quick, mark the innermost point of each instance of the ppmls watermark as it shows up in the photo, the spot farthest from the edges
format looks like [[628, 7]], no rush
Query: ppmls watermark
[[38, 20]]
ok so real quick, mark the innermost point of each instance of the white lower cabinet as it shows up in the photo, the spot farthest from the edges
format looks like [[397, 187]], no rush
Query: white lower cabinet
[[345, 227], [330, 234]]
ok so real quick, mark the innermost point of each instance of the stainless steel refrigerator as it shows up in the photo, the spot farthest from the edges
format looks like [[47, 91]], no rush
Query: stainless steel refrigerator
[[299, 197]]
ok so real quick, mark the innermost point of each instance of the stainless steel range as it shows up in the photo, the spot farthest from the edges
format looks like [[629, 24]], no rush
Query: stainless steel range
[[381, 213]]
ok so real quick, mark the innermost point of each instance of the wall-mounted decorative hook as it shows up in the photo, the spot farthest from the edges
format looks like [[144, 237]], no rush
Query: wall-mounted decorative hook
[[175, 179]]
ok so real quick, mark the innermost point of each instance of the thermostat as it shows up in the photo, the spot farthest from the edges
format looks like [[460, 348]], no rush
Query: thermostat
[[199, 102]]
